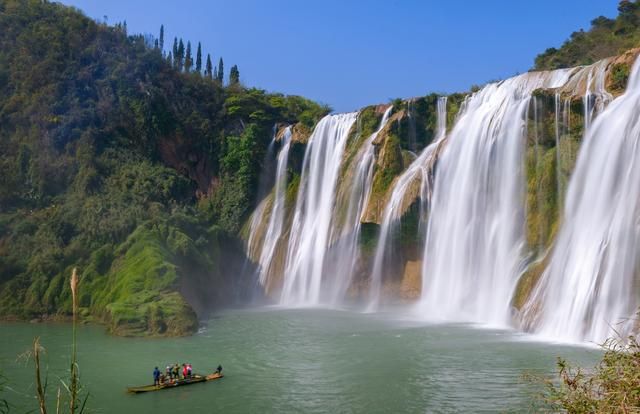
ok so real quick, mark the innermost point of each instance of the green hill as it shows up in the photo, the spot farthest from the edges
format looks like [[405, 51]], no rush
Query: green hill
[[117, 160], [606, 37]]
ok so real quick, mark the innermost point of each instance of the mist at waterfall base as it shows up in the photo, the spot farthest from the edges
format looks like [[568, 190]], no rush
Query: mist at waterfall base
[[472, 214]]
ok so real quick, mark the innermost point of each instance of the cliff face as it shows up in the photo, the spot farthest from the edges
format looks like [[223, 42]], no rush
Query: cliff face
[[554, 129]]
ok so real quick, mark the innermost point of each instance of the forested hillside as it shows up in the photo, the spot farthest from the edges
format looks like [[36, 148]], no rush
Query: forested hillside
[[606, 37], [135, 165]]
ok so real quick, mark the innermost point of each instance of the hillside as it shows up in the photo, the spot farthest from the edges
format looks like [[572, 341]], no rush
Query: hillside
[[118, 162], [606, 37]]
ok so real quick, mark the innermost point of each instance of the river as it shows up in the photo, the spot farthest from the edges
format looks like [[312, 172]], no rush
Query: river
[[306, 360]]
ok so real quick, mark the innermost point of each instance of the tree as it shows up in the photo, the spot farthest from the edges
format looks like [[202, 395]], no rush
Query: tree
[[170, 58], [188, 60], [208, 71], [180, 55], [215, 73], [220, 76], [234, 75], [175, 52], [199, 59], [161, 42]]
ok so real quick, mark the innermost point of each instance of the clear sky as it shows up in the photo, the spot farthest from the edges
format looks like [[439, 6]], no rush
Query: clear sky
[[349, 54]]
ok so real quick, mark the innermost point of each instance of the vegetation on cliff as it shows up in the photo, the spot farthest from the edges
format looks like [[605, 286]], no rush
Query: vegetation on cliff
[[606, 37], [120, 161]]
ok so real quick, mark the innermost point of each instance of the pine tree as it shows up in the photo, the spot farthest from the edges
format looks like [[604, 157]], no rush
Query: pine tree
[[208, 72], [220, 76], [180, 55], [124, 27], [161, 42], [175, 52], [188, 60], [199, 59], [170, 58], [234, 75], [215, 73]]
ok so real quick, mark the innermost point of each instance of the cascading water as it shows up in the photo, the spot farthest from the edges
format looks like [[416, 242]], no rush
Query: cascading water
[[475, 232], [418, 170], [595, 95], [312, 220], [346, 247], [589, 290], [276, 219]]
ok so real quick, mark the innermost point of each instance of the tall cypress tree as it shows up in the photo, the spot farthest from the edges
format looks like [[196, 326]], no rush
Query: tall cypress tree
[[180, 55], [220, 76], [209, 68], [199, 59], [215, 73], [161, 42], [234, 75], [170, 58], [188, 60], [175, 52]]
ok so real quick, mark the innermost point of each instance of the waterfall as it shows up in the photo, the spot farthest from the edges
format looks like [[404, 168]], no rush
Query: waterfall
[[276, 219], [418, 170], [312, 220], [475, 231], [346, 249], [589, 289], [595, 95]]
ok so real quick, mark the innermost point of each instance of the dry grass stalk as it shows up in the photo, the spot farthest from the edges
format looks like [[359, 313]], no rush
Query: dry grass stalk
[[73, 384], [40, 387]]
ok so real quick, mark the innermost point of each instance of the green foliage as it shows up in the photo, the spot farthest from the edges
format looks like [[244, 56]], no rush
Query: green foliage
[[606, 37], [619, 77], [220, 76], [138, 295], [208, 72], [100, 135], [613, 386], [234, 75], [391, 166], [199, 59]]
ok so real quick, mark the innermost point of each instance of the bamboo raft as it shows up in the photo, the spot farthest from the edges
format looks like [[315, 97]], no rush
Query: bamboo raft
[[194, 379]]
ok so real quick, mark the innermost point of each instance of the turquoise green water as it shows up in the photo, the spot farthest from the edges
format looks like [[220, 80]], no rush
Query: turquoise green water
[[281, 361]]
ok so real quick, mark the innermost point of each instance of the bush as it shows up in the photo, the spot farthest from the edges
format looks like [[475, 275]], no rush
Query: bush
[[613, 386]]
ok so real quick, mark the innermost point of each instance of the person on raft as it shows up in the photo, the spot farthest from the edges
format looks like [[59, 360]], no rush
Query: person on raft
[[219, 369], [156, 376]]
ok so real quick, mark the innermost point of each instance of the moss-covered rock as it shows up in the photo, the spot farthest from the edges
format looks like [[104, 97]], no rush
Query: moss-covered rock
[[139, 294]]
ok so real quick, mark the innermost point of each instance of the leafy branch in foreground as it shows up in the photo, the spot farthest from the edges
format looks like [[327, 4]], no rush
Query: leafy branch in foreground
[[612, 386]]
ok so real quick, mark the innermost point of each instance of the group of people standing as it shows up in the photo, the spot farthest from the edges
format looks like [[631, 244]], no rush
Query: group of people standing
[[172, 373]]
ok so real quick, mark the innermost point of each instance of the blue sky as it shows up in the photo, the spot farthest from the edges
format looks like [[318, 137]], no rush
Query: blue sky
[[349, 54]]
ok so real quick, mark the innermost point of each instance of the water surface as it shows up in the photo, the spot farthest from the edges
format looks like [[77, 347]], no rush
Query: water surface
[[311, 360]]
